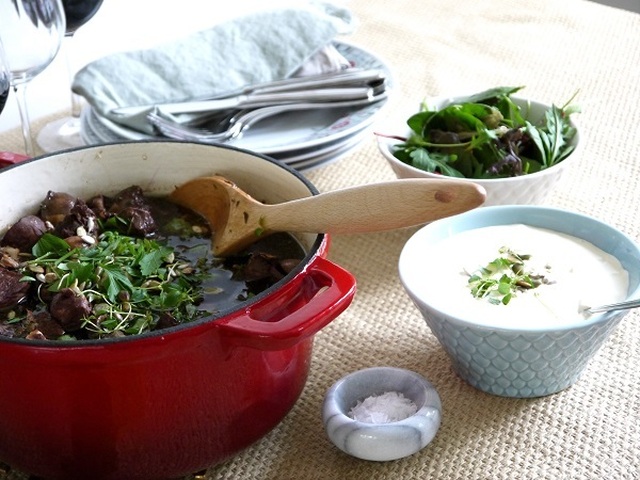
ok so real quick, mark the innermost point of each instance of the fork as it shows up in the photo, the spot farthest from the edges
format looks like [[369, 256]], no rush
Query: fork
[[235, 125]]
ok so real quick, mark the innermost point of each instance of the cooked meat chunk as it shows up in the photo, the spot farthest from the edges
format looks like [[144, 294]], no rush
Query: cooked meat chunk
[[99, 205], [129, 197], [80, 215], [48, 326], [12, 290], [69, 309], [56, 206], [24, 234], [263, 270], [131, 205], [166, 320], [142, 222]]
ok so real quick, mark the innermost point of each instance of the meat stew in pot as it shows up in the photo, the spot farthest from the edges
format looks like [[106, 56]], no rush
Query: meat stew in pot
[[124, 265]]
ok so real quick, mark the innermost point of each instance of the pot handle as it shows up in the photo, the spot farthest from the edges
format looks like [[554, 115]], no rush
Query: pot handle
[[269, 325]]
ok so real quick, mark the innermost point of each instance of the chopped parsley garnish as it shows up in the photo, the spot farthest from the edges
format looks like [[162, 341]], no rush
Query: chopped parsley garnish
[[131, 283], [503, 277]]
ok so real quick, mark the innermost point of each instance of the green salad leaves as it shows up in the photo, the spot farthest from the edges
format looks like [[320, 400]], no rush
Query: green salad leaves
[[487, 135]]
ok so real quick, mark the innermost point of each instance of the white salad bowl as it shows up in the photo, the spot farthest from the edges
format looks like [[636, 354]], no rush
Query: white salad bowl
[[381, 441], [529, 189], [520, 359]]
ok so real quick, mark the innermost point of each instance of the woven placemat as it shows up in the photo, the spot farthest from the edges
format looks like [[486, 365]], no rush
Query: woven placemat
[[589, 431]]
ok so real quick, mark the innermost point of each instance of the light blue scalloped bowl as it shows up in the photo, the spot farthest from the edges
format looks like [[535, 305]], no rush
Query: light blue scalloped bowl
[[519, 362]]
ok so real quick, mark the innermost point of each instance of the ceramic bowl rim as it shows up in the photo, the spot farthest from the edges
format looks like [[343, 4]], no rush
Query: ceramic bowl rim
[[396, 371], [495, 215]]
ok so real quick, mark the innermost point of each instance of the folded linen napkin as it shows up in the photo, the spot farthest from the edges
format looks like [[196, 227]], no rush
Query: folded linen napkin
[[263, 46]]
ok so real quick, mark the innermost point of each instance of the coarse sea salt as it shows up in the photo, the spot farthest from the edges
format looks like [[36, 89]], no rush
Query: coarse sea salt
[[385, 408]]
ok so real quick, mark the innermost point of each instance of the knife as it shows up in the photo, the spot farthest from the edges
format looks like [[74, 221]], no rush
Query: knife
[[304, 89]]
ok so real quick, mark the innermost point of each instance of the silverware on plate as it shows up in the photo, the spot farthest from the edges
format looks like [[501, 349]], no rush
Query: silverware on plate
[[237, 123], [343, 86]]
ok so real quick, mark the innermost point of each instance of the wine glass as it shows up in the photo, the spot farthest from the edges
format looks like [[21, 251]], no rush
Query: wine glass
[[5, 81], [65, 132], [6, 158], [31, 33]]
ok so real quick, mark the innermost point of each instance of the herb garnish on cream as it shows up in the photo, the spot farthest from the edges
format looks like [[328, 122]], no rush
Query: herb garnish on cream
[[504, 276]]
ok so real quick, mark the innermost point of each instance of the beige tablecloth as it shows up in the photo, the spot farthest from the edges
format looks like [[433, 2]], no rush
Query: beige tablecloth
[[589, 431]]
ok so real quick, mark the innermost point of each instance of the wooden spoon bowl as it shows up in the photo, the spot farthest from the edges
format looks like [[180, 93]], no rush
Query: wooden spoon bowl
[[237, 219]]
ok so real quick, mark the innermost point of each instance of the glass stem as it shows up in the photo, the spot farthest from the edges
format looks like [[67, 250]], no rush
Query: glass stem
[[21, 98], [76, 101], [76, 105]]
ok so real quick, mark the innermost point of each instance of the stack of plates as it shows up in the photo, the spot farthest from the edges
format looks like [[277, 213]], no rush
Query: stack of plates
[[302, 139]]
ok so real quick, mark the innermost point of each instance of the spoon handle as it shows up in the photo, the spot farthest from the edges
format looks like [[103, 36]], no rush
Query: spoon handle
[[615, 306], [371, 208]]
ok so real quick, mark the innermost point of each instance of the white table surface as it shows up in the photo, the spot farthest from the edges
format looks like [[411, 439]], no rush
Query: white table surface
[[121, 25]]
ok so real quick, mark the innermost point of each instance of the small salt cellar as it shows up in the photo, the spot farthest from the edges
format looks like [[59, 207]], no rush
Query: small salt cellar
[[382, 413]]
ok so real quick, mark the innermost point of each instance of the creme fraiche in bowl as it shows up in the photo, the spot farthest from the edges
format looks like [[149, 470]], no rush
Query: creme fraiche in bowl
[[516, 148], [505, 290]]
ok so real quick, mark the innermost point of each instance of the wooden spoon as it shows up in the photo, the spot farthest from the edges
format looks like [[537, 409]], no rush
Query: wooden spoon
[[237, 219]]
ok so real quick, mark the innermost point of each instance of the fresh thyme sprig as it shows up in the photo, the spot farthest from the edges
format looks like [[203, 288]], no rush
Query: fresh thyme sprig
[[503, 277]]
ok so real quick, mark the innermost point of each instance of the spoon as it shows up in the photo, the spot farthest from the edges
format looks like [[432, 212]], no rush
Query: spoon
[[612, 307], [237, 219]]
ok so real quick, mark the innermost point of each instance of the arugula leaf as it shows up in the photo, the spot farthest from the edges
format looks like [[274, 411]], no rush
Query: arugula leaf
[[551, 141], [417, 121], [487, 96], [456, 118], [434, 162]]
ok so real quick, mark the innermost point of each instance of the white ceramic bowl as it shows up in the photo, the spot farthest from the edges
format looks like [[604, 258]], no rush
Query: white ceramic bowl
[[516, 361], [522, 190], [381, 441]]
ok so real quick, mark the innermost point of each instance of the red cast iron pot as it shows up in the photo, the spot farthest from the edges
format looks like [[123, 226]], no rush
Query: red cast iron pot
[[177, 401]]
